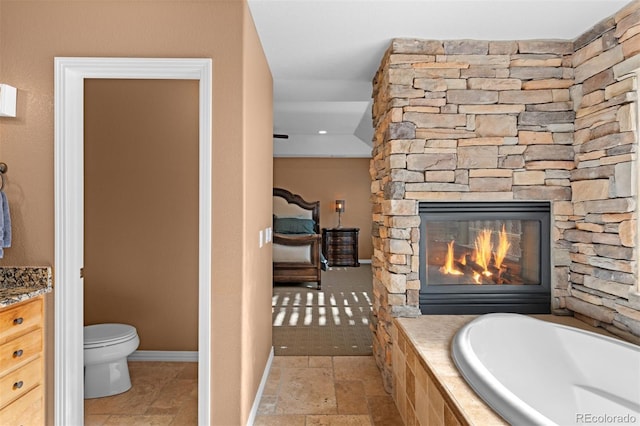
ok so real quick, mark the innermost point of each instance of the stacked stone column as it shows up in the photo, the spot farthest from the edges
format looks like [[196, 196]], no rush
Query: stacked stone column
[[603, 286], [472, 120], [463, 120]]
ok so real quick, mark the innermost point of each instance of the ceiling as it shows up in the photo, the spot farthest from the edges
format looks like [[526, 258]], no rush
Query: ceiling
[[323, 54]]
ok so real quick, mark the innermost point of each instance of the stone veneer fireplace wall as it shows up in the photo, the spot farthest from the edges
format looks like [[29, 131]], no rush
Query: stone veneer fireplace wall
[[470, 120]]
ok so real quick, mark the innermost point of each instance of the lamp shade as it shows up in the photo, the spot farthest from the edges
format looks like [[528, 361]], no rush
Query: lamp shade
[[340, 206]]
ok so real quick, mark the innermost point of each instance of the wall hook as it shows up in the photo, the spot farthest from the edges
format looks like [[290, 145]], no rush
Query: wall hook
[[3, 170]]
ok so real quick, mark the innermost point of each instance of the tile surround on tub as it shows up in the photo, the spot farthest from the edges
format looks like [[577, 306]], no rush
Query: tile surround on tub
[[428, 389], [427, 386], [20, 283]]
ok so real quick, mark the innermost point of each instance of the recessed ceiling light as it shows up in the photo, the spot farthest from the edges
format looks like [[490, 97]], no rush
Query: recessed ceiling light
[[322, 132]]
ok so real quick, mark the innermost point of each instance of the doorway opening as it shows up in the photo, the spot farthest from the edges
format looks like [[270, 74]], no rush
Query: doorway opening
[[70, 75]]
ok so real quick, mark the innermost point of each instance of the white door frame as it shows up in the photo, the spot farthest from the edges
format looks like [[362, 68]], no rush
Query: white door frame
[[69, 217]]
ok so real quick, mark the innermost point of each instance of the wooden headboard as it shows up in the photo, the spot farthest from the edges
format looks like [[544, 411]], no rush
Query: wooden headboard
[[287, 204]]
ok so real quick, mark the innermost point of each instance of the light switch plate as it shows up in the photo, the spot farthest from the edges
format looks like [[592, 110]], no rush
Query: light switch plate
[[7, 100]]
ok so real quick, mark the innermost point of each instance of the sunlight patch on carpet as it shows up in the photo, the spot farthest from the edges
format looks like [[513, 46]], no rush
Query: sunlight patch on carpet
[[333, 321]]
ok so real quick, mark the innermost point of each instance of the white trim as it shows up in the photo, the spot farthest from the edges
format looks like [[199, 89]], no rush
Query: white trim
[[164, 356], [69, 217], [365, 261], [69, 235], [263, 383]]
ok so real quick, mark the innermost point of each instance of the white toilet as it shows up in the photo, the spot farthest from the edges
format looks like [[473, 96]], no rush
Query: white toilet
[[106, 347]]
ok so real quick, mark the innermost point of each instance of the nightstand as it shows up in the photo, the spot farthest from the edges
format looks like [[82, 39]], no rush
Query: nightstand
[[340, 246]]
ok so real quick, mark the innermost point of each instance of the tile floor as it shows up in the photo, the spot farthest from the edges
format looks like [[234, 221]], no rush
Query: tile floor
[[324, 390], [162, 393], [300, 391]]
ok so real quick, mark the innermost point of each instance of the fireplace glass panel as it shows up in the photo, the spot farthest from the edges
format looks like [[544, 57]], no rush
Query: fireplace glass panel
[[485, 256], [482, 252]]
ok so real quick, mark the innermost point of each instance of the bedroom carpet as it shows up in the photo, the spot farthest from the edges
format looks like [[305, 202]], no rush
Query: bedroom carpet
[[333, 321]]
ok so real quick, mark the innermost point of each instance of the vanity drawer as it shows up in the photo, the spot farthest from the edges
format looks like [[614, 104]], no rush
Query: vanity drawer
[[20, 381], [25, 411], [19, 350], [21, 363], [20, 319]]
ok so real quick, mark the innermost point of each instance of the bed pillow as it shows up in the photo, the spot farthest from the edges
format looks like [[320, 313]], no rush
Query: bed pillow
[[293, 225]]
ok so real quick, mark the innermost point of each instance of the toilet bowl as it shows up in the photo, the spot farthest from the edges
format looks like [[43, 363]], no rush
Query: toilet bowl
[[106, 347]]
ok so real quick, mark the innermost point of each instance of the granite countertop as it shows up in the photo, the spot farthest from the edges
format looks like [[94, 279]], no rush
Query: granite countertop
[[20, 283]]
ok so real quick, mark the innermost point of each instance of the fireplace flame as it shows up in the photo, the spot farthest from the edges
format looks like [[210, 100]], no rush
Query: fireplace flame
[[448, 267], [480, 258], [483, 251], [503, 247]]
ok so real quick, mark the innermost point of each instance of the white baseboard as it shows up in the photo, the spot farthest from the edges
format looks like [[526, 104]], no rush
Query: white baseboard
[[167, 356], [263, 382], [365, 261]]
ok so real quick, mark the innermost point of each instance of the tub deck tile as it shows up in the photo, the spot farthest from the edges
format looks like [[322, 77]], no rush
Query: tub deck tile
[[431, 336]]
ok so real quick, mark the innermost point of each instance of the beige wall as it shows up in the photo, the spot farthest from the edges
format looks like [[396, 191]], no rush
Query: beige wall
[[328, 180], [257, 181], [141, 209], [33, 33]]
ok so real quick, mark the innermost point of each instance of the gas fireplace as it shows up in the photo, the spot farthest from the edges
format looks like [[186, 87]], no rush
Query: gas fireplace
[[481, 257]]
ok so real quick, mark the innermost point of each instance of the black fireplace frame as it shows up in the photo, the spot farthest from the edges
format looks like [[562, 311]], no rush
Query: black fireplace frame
[[481, 299]]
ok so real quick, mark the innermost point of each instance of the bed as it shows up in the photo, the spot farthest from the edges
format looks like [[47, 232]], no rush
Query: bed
[[296, 239]]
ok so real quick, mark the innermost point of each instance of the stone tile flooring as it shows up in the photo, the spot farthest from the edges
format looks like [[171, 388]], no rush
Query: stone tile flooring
[[324, 390], [300, 390], [162, 393]]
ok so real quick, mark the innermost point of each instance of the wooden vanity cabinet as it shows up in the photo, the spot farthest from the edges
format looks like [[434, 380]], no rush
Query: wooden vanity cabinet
[[22, 363]]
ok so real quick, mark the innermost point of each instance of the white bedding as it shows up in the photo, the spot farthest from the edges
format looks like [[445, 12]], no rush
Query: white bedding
[[282, 253]]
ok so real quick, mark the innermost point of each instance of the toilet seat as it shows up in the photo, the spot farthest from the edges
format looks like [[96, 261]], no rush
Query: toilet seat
[[99, 335]]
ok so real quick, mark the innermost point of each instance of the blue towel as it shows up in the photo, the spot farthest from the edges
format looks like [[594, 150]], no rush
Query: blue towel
[[5, 223]]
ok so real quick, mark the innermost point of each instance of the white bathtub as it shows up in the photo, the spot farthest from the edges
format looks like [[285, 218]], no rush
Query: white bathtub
[[533, 372]]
